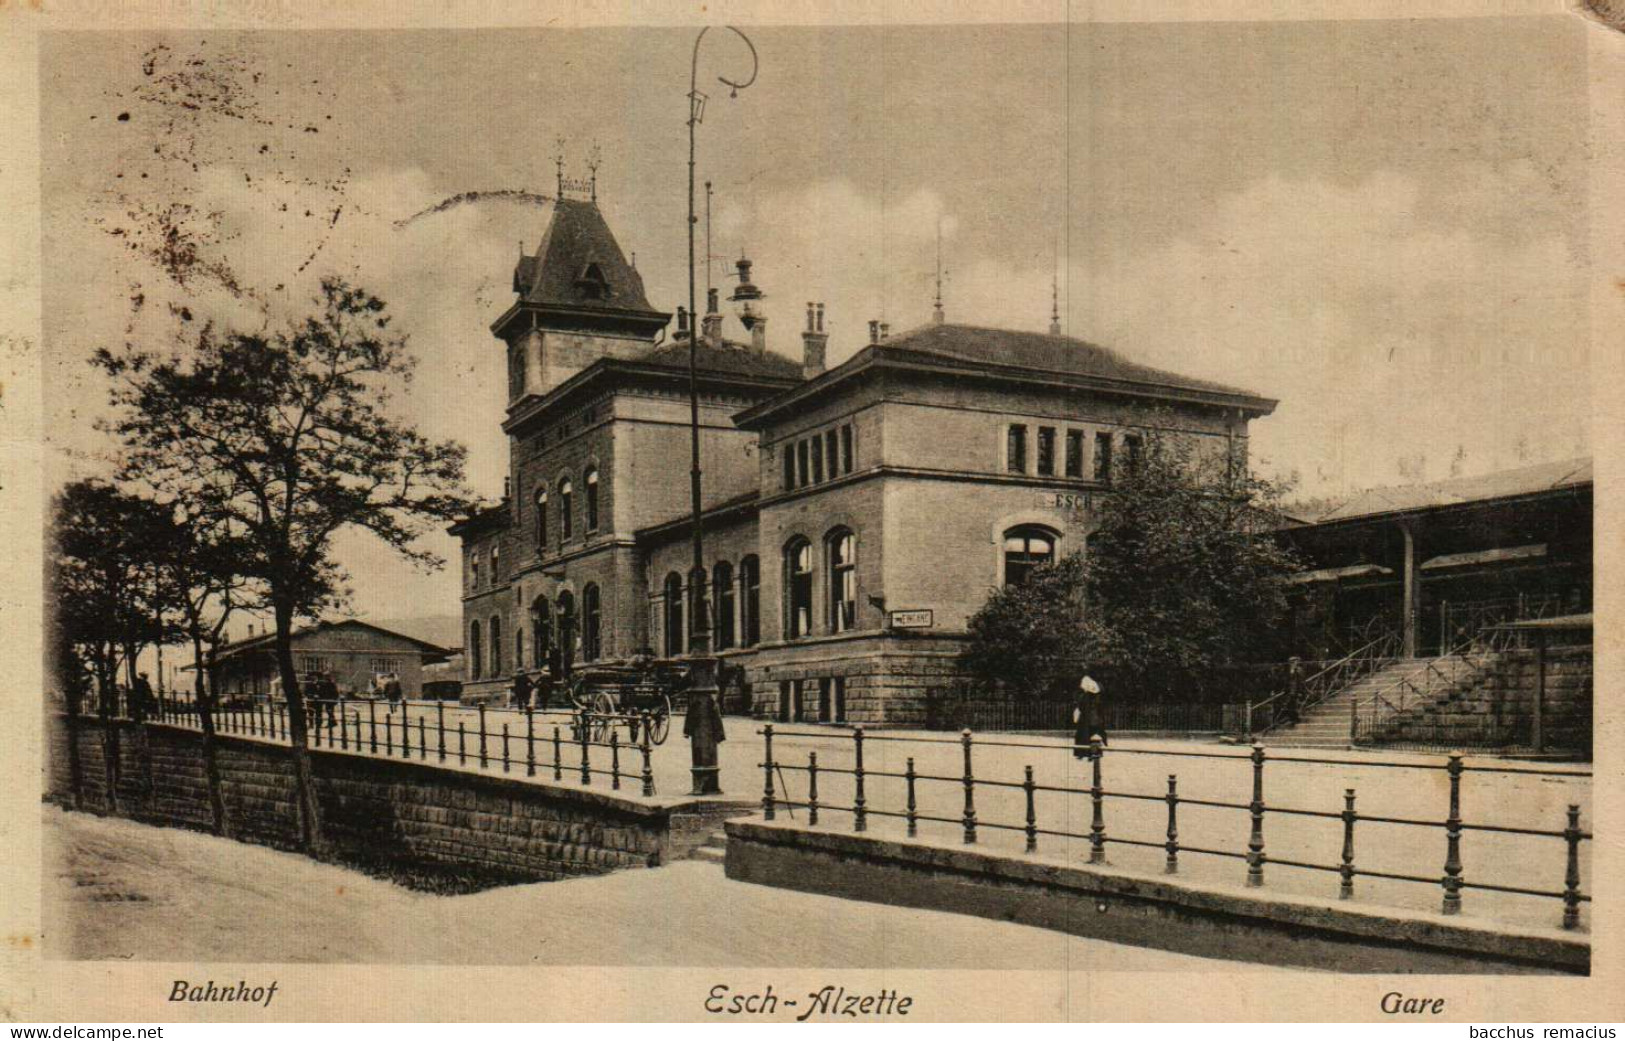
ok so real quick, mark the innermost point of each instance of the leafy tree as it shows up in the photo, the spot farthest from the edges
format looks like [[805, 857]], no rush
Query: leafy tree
[[1181, 583], [288, 438]]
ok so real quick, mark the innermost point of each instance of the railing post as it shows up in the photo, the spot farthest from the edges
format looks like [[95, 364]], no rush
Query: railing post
[[389, 734], [1571, 877], [358, 741], [440, 728], [812, 789], [1452, 832], [1354, 719], [423, 740], [372, 725], [913, 816], [1345, 889], [1032, 812], [462, 745], [970, 789], [1171, 865], [482, 735], [504, 748], [767, 766], [406, 733], [558, 755], [648, 766], [615, 758], [344, 728], [530, 742], [584, 726], [1097, 826], [860, 811], [1255, 841]]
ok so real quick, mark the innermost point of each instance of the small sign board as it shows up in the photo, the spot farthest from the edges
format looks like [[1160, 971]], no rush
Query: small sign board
[[917, 619], [1068, 502]]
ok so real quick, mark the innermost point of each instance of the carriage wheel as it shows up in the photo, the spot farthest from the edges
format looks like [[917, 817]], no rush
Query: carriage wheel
[[660, 721], [603, 709]]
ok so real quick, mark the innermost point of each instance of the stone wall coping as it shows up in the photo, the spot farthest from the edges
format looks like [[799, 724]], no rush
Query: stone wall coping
[[635, 806], [1564, 950]]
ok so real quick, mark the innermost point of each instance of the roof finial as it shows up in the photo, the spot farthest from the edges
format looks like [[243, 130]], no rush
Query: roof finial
[[937, 314], [595, 156], [558, 166], [1055, 295]]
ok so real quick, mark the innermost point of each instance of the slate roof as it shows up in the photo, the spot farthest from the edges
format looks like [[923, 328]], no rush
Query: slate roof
[[267, 639], [1041, 352], [577, 238], [735, 358], [1503, 484]]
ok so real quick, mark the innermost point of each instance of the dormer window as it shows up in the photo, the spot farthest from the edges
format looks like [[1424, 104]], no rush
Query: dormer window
[[591, 283]]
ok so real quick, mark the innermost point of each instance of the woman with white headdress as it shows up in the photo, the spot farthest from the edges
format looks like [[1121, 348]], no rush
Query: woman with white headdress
[[1088, 721]]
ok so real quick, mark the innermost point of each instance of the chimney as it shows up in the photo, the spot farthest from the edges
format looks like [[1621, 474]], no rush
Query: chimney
[[711, 324], [682, 321], [874, 332], [813, 342], [758, 334], [885, 331]]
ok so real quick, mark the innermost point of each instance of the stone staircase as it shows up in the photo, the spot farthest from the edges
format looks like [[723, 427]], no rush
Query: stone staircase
[[1326, 725], [715, 849]]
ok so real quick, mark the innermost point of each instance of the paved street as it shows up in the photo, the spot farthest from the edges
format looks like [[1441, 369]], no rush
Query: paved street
[[1135, 776], [117, 889]]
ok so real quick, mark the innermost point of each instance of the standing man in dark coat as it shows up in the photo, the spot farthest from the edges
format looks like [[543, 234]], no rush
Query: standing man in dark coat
[[521, 690]]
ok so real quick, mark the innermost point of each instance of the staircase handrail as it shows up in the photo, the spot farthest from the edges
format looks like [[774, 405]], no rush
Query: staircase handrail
[[1457, 653], [1353, 666]]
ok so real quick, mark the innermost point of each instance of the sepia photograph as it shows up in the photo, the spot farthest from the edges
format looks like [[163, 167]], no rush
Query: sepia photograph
[[800, 515]]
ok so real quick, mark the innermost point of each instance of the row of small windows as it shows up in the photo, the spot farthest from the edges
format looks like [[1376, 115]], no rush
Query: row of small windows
[[736, 606], [818, 457], [566, 497], [1070, 455], [559, 636]]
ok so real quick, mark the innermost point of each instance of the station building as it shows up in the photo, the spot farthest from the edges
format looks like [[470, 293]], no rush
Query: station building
[[854, 517]]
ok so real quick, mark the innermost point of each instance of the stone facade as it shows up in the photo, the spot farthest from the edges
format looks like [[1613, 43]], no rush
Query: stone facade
[[858, 516]]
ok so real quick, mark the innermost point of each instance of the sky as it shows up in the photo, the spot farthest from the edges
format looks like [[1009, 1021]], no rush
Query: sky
[[1382, 224]]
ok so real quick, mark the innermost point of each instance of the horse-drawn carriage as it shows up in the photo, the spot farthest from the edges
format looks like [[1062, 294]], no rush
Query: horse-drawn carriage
[[628, 695]]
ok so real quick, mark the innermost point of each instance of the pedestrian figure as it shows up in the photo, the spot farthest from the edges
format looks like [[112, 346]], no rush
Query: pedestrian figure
[[1292, 703], [141, 698], [392, 690], [1088, 720], [521, 691], [329, 695]]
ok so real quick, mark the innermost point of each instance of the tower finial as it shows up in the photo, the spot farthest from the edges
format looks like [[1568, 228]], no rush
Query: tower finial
[[558, 166], [1055, 296], [594, 157], [937, 314]]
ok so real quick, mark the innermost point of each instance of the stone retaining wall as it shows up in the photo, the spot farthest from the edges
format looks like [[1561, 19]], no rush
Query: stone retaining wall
[[378, 809], [1499, 711]]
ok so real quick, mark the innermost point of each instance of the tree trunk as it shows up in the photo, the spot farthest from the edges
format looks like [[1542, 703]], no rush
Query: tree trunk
[[211, 763], [304, 783], [107, 702], [76, 769]]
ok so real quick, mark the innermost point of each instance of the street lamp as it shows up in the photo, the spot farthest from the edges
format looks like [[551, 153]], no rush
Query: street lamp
[[703, 723]]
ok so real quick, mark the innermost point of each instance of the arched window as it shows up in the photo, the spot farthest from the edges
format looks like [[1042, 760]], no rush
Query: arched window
[[566, 522], [591, 637], [842, 547], [496, 646], [541, 517], [475, 654], [496, 572], [591, 481], [798, 584], [567, 632], [1025, 549], [541, 630], [722, 604], [750, 602], [674, 614]]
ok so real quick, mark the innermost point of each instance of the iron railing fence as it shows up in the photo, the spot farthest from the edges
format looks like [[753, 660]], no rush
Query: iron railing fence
[[569, 744], [1253, 851]]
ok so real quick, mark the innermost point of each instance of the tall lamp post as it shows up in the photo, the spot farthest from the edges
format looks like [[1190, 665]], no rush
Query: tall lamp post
[[703, 723]]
